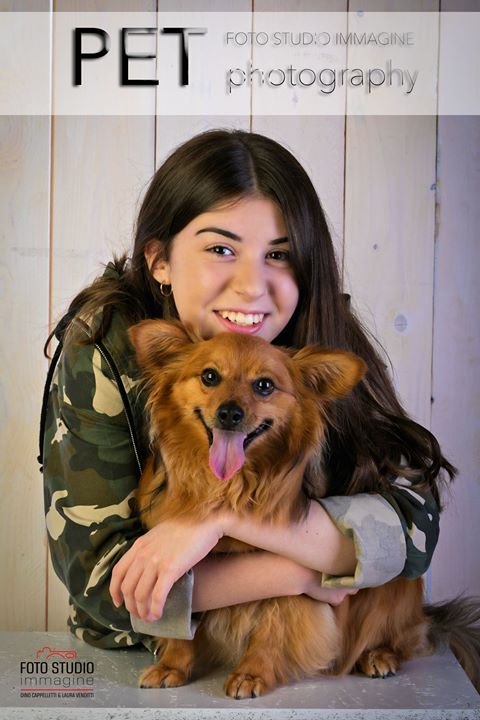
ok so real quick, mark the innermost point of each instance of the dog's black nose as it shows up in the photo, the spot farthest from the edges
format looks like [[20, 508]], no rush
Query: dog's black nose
[[229, 415]]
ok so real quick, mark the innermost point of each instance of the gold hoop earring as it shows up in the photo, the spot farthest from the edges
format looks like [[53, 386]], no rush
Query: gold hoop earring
[[165, 294]]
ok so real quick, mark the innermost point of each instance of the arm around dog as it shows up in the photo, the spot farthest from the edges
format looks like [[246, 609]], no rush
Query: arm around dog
[[361, 540], [221, 581], [143, 577], [315, 542]]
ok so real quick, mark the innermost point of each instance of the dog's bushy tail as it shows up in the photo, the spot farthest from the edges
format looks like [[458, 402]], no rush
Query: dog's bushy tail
[[457, 623]]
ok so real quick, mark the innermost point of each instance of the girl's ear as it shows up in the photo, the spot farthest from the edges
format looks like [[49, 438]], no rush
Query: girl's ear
[[158, 341], [331, 374], [156, 263]]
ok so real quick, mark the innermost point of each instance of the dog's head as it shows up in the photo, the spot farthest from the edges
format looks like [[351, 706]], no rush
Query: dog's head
[[234, 393]]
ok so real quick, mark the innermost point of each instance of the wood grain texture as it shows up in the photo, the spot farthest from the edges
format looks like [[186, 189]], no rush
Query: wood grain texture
[[456, 352], [24, 209], [427, 177], [24, 232], [318, 143], [389, 229], [174, 130]]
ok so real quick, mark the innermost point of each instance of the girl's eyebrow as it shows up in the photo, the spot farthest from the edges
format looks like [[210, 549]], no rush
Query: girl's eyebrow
[[232, 236]]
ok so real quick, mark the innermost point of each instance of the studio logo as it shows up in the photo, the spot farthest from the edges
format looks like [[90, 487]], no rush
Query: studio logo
[[48, 652], [80, 55], [57, 673]]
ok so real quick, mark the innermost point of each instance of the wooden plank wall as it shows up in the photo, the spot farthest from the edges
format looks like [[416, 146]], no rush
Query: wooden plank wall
[[400, 195], [456, 347], [24, 291]]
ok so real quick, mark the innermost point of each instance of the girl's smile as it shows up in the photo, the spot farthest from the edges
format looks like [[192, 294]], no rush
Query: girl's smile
[[236, 321], [230, 270]]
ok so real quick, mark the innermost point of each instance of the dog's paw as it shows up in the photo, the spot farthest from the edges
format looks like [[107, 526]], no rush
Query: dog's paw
[[381, 662], [243, 685], [162, 676]]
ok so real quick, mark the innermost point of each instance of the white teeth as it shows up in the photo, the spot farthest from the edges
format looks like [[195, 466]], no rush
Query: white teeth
[[240, 318]]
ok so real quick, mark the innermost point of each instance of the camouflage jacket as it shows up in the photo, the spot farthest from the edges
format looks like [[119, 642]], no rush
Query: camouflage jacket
[[91, 474]]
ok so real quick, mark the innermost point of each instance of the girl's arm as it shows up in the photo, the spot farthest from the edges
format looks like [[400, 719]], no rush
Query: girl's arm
[[356, 541], [361, 540], [143, 577], [315, 542], [222, 580]]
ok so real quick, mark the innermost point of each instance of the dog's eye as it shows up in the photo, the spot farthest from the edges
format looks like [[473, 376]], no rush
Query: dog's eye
[[210, 377], [263, 386]]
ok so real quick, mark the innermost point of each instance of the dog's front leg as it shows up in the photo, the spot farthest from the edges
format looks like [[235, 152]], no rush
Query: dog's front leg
[[255, 674], [174, 667], [289, 637]]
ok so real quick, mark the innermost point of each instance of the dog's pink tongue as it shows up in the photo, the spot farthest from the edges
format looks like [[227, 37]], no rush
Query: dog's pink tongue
[[226, 453]]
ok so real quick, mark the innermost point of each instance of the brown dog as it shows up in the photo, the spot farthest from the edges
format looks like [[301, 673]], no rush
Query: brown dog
[[234, 423]]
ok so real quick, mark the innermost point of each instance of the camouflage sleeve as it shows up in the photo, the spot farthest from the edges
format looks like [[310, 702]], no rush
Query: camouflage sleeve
[[90, 480], [419, 515], [394, 533]]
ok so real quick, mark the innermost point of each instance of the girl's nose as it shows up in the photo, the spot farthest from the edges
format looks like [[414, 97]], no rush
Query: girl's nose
[[250, 279]]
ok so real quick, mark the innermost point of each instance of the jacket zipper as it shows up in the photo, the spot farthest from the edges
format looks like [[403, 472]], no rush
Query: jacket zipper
[[114, 375]]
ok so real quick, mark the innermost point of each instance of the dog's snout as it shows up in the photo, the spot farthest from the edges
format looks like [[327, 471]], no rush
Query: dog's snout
[[230, 415]]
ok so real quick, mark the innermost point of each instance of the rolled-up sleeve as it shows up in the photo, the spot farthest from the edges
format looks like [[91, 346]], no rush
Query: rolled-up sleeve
[[177, 620], [419, 515], [394, 533]]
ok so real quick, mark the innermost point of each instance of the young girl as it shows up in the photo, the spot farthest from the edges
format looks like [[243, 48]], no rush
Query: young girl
[[231, 237]]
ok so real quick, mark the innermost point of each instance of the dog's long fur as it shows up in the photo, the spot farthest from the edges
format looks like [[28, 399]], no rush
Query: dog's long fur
[[269, 641]]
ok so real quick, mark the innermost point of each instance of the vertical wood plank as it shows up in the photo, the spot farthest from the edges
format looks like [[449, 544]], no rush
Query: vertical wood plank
[[24, 209], [429, 276], [456, 345], [100, 166], [318, 142], [456, 356], [389, 230], [175, 129]]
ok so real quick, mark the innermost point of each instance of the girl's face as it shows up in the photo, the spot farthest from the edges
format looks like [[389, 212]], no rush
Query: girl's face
[[230, 271]]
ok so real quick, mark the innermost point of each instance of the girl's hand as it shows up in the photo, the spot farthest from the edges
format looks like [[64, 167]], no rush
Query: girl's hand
[[332, 596], [143, 577]]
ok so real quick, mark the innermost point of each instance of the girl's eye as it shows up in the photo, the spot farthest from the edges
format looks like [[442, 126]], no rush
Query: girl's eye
[[224, 251], [263, 386], [217, 250], [210, 377], [285, 255]]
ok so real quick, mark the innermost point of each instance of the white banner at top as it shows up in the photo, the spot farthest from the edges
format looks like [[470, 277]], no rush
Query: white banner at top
[[229, 63]]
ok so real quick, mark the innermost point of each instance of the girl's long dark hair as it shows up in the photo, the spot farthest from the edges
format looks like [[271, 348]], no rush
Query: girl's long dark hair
[[371, 439]]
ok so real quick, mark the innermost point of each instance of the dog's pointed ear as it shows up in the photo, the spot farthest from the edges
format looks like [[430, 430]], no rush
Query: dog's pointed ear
[[331, 374], [158, 341]]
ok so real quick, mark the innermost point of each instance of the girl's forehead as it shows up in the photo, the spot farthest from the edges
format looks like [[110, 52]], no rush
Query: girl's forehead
[[243, 222], [240, 208]]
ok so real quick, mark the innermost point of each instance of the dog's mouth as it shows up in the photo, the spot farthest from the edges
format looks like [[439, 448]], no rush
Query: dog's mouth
[[227, 447]]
